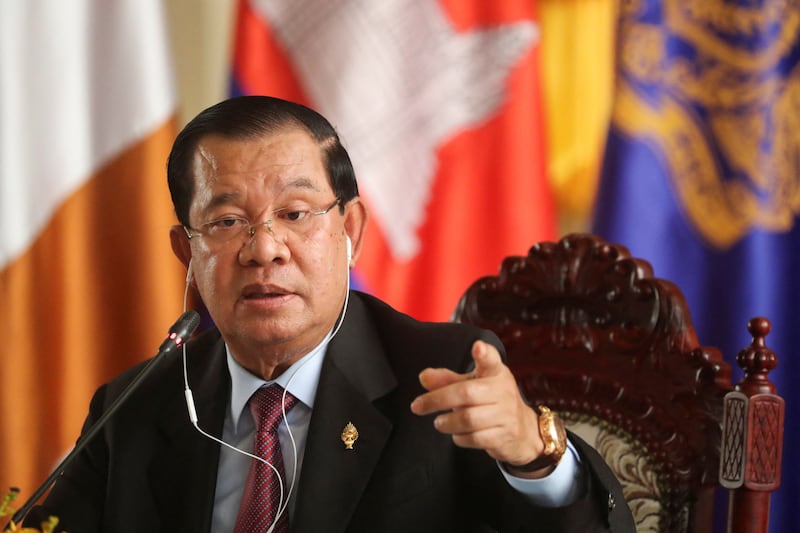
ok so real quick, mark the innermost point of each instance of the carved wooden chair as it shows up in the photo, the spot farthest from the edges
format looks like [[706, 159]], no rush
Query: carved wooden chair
[[592, 334]]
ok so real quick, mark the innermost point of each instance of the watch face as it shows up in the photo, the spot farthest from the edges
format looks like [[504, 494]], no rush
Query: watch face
[[552, 431]]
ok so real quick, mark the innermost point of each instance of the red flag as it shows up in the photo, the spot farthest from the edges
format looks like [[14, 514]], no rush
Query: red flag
[[438, 104]]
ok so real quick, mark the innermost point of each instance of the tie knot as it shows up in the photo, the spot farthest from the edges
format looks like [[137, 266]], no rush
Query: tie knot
[[265, 404]]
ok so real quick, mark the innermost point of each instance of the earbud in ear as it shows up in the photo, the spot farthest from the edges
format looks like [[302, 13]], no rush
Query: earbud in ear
[[349, 249], [189, 272]]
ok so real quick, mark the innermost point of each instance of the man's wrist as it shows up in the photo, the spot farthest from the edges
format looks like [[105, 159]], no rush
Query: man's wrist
[[563, 486], [554, 437]]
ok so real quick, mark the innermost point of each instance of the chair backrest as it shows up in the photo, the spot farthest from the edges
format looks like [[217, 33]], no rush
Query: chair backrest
[[592, 334]]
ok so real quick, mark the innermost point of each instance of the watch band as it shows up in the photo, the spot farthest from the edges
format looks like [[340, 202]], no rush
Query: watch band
[[554, 436]]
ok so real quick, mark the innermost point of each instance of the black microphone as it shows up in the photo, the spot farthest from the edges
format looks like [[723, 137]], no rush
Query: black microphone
[[180, 331], [177, 335]]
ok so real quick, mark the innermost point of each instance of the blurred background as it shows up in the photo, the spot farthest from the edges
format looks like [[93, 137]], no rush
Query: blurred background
[[476, 129]]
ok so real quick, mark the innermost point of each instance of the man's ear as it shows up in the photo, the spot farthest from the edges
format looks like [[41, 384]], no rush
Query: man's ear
[[355, 225], [180, 244]]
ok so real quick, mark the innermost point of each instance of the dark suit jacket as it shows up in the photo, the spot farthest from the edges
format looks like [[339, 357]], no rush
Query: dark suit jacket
[[150, 470]]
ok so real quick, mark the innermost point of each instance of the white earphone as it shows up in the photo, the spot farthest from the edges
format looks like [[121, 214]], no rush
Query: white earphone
[[189, 271], [349, 250]]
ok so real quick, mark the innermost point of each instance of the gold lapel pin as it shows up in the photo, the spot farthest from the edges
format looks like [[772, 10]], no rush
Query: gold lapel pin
[[349, 435]]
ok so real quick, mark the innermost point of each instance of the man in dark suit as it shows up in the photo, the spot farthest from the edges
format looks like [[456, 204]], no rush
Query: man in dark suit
[[391, 424]]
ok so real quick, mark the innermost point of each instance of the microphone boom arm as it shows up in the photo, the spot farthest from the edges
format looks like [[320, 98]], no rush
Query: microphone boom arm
[[178, 334]]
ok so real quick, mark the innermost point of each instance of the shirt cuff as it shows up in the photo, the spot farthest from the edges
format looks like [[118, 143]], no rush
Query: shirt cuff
[[563, 486]]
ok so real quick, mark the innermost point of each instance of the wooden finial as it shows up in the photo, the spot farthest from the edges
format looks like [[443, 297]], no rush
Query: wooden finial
[[752, 436], [757, 360]]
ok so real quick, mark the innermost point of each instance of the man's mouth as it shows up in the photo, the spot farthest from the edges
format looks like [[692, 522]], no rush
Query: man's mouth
[[262, 292]]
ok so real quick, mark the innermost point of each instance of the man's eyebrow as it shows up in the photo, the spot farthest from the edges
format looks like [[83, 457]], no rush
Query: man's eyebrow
[[301, 183], [222, 199], [225, 198]]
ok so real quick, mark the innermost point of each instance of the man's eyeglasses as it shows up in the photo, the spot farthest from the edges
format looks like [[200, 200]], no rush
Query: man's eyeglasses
[[298, 221]]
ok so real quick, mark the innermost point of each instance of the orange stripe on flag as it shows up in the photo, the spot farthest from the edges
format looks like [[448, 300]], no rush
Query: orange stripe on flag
[[95, 293]]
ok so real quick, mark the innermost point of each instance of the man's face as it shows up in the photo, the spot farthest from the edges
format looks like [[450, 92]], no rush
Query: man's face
[[273, 295]]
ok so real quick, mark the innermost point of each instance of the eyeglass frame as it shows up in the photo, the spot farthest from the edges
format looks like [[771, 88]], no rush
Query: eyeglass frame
[[251, 226]]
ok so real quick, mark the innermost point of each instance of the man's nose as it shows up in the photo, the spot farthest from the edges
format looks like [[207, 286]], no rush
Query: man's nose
[[268, 248], [251, 231]]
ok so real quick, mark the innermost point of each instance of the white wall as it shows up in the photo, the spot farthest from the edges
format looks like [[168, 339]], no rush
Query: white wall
[[200, 33]]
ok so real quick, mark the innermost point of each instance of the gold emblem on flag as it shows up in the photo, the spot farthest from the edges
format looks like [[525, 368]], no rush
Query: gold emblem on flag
[[721, 116], [349, 436]]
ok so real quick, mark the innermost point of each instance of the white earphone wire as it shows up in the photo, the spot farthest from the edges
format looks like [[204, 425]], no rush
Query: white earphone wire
[[282, 504]]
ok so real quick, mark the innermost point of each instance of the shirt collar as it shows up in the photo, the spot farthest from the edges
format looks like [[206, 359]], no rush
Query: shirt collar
[[302, 379]]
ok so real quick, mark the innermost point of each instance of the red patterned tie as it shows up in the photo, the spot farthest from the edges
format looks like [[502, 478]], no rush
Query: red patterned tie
[[262, 493]]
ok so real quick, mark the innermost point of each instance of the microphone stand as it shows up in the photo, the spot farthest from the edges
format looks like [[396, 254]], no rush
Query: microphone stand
[[178, 334]]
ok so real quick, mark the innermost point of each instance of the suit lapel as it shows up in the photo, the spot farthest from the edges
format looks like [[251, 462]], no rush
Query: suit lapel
[[354, 375], [183, 477]]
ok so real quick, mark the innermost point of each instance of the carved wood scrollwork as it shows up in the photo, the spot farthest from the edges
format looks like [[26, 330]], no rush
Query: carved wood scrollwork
[[588, 329]]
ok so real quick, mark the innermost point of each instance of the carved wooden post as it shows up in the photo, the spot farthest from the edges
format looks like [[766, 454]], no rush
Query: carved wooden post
[[752, 436]]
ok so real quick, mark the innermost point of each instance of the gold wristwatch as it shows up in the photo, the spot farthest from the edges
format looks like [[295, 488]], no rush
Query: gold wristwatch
[[554, 436]]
